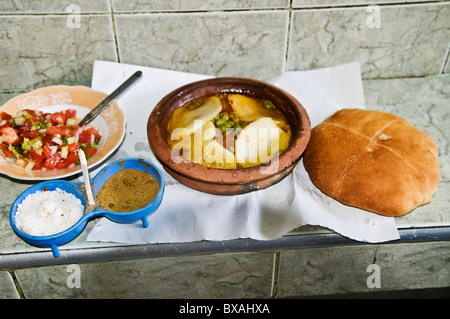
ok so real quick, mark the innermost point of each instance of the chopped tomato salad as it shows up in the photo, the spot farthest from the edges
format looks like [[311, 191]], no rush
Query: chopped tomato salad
[[46, 141]]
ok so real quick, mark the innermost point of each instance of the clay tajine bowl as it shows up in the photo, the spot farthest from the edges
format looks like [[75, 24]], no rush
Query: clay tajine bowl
[[228, 181]]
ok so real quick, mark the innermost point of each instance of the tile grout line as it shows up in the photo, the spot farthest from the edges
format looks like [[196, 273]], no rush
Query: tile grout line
[[365, 5], [275, 270], [17, 285], [446, 61], [289, 7], [231, 10], [288, 37], [113, 25]]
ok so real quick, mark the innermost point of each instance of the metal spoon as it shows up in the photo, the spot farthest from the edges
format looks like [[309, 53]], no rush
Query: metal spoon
[[107, 100]]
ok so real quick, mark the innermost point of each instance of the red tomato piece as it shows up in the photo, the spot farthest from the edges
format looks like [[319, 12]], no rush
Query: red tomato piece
[[85, 138], [5, 116], [76, 130], [38, 159], [69, 113], [89, 151], [61, 130], [6, 151], [46, 151], [71, 158], [74, 147], [47, 139], [52, 162], [28, 123], [88, 135], [58, 117], [30, 134], [92, 130], [11, 135], [60, 164], [21, 162], [4, 123]]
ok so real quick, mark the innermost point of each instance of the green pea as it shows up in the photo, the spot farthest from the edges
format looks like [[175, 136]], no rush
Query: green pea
[[194, 104], [268, 104], [222, 128], [228, 124], [220, 122]]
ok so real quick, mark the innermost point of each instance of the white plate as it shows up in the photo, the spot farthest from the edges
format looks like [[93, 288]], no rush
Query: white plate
[[110, 124]]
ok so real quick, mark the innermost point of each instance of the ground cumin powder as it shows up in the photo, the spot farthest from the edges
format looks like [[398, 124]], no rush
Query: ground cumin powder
[[127, 190]]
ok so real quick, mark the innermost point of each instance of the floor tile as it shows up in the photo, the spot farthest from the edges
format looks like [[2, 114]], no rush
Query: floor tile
[[234, 275], [7, 287]]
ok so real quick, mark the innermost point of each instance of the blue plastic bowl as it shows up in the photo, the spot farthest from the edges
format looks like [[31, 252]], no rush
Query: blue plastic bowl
[[139, 214], [53, 241]]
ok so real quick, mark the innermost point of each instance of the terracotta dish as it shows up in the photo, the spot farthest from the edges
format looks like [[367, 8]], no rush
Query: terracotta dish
[[228, 181]]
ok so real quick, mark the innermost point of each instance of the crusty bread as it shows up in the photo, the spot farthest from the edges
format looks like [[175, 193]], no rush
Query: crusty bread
[[373, 160]]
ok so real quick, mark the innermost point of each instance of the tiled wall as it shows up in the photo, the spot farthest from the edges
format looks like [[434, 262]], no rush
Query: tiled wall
[[48, 42]]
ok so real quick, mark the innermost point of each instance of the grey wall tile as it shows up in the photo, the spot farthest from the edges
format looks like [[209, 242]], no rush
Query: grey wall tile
[[340, 270], [414, 266], [51, 6], [251, 44], [186, 5], [7, 287], [412, 39], [42, 50], [234, 275], [321, 271]]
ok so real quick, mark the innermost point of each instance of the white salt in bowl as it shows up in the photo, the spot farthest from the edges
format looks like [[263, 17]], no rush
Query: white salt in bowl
[[54, 240]]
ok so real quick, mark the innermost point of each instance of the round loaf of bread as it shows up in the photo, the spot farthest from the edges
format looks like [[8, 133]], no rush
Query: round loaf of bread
[[373, 160]]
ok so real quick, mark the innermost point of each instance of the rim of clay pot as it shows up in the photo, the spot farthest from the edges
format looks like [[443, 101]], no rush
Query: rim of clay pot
[[293, 110]]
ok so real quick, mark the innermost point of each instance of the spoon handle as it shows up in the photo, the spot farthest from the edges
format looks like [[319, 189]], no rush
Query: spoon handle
[[107, 100], [87, 183]]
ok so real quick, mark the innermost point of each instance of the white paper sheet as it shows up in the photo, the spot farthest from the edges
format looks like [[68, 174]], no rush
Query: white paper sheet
[[187, 215]]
